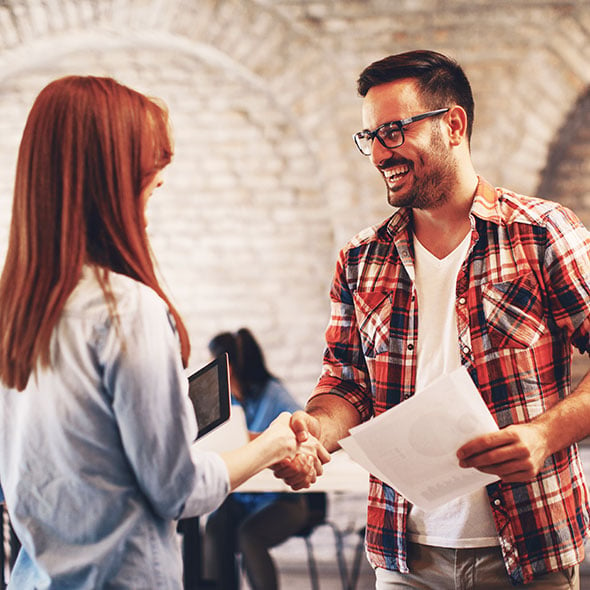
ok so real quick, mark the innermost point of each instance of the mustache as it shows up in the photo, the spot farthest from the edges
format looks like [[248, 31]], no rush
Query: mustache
[[393, 161]]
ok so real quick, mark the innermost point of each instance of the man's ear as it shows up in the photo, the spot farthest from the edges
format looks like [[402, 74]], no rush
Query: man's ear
[[456, 120]]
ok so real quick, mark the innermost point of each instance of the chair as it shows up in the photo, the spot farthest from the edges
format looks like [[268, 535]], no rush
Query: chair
[[318, 504], [358, 554], [189, 529], [8, 540]]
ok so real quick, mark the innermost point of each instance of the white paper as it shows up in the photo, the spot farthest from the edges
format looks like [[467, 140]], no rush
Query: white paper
[[412, 447]]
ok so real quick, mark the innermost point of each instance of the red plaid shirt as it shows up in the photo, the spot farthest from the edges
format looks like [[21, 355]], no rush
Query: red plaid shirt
[[522, 300]]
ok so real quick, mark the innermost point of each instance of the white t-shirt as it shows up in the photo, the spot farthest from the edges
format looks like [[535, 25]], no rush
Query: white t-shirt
[[466, 521]]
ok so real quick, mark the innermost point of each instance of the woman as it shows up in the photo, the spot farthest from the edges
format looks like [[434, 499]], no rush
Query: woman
[[250, 524], [95, 424]]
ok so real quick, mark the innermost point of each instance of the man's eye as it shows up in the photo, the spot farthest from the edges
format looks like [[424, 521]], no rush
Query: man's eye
[[389, 132]]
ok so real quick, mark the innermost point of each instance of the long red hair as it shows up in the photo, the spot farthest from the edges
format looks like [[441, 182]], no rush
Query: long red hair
[[89, 147]]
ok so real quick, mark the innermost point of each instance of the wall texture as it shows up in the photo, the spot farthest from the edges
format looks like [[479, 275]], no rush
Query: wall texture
[[266, 184]]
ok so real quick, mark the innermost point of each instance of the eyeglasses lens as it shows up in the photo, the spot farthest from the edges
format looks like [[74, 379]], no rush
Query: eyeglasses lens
[[391, 136], [364, 141]]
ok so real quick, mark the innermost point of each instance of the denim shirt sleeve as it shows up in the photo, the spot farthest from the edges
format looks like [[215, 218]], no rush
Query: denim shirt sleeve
[[143, 374], [210, 488]]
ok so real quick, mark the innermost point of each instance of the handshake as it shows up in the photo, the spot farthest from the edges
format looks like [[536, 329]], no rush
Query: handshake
[[303, 455]]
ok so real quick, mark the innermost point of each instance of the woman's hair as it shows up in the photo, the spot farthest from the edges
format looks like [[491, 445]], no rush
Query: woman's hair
[[441, 80], [245, 358], [89, 147]]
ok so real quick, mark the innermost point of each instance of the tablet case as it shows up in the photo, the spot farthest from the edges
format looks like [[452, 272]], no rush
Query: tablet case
[[210, 394]]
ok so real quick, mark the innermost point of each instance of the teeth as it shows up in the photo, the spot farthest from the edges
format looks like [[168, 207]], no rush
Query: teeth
[[396, 171]]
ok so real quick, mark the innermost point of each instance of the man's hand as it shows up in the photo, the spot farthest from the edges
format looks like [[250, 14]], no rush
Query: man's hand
[[515, 453], [303, 470]]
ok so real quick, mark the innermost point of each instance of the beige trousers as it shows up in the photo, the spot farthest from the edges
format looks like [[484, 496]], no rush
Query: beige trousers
[[439, 568]]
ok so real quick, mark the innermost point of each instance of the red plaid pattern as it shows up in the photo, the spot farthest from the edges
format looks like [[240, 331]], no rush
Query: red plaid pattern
[[523, 300]]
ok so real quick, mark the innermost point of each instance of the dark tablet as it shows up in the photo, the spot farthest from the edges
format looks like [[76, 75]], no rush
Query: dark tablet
[[208, 390]]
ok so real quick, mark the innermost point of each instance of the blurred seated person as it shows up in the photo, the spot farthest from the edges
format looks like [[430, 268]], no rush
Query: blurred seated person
[[251, 523]]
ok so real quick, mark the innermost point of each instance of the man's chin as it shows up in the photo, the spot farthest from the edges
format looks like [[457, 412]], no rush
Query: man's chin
[[398, 199]]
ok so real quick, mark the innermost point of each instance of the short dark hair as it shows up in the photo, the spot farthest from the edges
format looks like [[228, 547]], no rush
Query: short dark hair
[[441, 80]]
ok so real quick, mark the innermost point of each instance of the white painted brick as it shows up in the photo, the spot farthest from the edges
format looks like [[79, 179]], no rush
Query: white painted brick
[[266, 184]]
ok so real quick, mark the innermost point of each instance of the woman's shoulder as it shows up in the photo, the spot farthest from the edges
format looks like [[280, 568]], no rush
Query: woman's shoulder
[[125, 294]]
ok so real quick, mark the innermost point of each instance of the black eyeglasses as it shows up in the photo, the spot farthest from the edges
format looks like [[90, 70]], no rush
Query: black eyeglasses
[[390, 135]]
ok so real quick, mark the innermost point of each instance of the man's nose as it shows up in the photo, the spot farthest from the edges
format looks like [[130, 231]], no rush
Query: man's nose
[[380, 153]]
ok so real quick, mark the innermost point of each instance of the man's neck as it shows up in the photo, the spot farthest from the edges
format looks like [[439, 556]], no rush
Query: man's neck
[[441, 230]]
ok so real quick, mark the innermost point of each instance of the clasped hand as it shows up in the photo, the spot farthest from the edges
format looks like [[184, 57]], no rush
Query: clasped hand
[[306, 465]]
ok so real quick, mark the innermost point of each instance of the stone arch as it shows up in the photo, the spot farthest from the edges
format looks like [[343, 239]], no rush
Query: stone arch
[[526, 92], [288, 219], [566, 176], [284, 82], [256, 40]]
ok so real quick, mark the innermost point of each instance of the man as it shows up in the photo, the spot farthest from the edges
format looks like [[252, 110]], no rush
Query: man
[[461, 274]]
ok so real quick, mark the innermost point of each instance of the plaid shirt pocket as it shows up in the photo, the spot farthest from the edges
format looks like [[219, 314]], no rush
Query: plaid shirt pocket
[[373, 315], [514, 312]]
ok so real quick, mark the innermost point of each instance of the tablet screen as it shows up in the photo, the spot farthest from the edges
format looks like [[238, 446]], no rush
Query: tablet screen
[[209, 393]]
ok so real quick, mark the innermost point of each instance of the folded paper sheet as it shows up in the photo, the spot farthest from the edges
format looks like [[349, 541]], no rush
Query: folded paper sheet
[[412, 446]]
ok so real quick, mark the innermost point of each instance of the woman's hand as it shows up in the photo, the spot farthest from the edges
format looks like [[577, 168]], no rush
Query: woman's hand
[[280, 438], [275, 444], [302, 470]]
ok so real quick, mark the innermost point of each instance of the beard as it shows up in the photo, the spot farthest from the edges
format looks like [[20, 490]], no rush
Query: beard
[[433, 188]]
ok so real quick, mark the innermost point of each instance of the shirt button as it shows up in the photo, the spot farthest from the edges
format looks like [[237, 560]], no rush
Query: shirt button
[[497, 502], [462, 300], [410, 347], [466, 349]]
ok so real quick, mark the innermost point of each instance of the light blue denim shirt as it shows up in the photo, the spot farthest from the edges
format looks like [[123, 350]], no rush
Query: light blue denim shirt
[[95, 457]]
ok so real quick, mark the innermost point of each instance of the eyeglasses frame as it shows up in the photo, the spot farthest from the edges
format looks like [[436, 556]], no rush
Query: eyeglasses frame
[[400, 124]]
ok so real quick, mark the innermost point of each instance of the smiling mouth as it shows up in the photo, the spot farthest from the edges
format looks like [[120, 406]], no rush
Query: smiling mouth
[[395, 174]]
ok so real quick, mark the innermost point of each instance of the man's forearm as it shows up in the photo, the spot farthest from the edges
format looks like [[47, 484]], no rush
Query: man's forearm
[[568, 421], [336, 417]]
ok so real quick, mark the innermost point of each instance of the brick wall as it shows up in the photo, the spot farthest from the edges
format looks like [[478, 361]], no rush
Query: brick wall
[[266, 184]]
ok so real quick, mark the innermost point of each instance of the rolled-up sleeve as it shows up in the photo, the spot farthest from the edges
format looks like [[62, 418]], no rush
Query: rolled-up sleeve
[[344, 371], [211, 486], [567, 268]]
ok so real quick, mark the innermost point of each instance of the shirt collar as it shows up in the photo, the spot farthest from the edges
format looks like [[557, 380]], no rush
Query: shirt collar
[[485, 206], [397, 222]]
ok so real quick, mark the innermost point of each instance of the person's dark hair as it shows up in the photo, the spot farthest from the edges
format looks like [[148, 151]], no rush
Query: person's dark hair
[[441, 80], [245, 358], [225, 342]]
